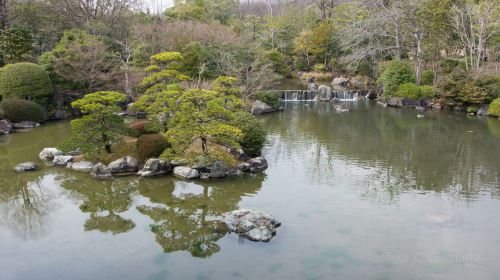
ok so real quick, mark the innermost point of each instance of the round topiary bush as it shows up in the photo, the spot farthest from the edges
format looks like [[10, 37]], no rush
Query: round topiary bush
[[396, 73], [25, 80], [18, 110], [254, 135], [151, 146], [494, 109], [408, 90]]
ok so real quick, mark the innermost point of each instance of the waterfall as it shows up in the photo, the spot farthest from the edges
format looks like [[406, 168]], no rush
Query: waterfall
[[310, 95]]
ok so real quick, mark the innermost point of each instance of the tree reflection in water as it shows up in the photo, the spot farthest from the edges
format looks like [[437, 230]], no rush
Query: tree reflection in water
[[25, 204], [185, 215], [104, 200]]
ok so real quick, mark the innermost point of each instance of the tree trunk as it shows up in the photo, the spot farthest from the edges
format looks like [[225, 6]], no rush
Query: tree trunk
[[204, 145], [3, 14]]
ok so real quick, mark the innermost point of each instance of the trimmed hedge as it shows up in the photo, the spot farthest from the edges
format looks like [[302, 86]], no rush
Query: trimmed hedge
[[26, 81], [18, 110], [151, 146], [494, 109], [414, 92], [254, 135], [396, 73]]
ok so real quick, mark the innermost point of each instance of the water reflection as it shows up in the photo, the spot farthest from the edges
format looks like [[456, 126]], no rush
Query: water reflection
[[185, 215], [25, 204], [392, 147], [104, 201]]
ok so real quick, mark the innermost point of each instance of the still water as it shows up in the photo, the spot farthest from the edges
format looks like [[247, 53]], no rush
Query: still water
[[371, 194]]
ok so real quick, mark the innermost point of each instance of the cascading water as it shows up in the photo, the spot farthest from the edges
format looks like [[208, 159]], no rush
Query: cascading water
[[311, 95]]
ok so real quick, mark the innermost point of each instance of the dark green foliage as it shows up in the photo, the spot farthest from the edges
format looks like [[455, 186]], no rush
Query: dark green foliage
[[408, 90], [25, 80], [271, 98], [16, 43], [395, 74], [427, 78], [196, 56], [494, 109], [426, 91], [277, 60], [254, 135], [151, 146], [18, 110], [490, 83], [448, 65]]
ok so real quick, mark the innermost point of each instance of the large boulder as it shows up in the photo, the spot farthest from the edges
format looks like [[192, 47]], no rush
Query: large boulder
[[259, 108], [82, 166], [340, 81], [62, 160], [155, 167], [257, 164], [324, 93], [186, 172], [397, 101], [245, 167], [218, 169], [25, 125], [49, 154], [124, 165], [26, 166], [101, 171], [5, 127], [312, 86], [483, 110], [252, 225]]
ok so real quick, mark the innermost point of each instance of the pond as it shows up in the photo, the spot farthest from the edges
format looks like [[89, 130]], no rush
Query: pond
[[376, 193]]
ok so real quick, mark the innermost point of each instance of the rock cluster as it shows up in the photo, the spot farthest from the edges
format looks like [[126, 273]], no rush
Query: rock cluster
[[5, 127], [124, 165], [155, 167], [252, 225], [49, 154], [101, 172]]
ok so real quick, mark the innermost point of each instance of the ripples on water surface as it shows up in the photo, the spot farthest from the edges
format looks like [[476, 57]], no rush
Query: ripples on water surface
[[371, 194]]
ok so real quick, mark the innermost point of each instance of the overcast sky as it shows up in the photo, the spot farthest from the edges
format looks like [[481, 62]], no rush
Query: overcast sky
[[158, 5]]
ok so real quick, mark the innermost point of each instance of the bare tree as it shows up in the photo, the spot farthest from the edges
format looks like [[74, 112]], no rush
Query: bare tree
[[87, 64], [475, 23], [416, 26], [83, 11], [326, 8]]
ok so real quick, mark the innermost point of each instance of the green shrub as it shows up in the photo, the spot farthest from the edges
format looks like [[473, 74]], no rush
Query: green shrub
[[254, 135], [150, 146], [426, 92], [271, 98], [319, 67], [490, 83], [448, 65], [408, 90], [25, 80], [494, 109], [395, 74], [472, 109], [18, 110], [427, 78]]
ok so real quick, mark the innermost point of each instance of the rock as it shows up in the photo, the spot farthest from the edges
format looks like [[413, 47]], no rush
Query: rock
[[75, 152], [5, 127], [335, 100], [483, 110], [324, 93], [124, 165], [60, 114], [101, 171], [234, 172], [341, 108], [437, 105], [49, 154], [238, 154], [311, 80], [259, 108], [155, 167], [82, 166], [186, 172], [252, 225], [25, 125], [258, 164], [178, 162], [218, 169], [62, 160], [312, 86], [397, 101], [340, 81], [204, 176], [420, 116], [245, 166], [26, 166]]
